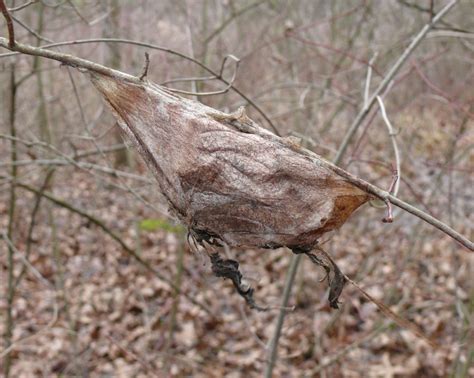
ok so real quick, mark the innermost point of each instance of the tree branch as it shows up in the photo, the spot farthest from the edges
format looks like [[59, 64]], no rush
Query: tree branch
[[387, 79], [135, 43], [8, 19], [369, 188], [372, 189], [69, 60]]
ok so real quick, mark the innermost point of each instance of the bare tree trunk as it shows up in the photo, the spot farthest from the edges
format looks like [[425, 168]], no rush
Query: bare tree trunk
[[111, 27], [43, 124]]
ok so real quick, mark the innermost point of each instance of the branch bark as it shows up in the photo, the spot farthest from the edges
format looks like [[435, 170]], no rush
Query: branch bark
[[8, 19]]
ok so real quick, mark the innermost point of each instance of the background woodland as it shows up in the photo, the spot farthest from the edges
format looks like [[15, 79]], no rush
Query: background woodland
[[75, 199]]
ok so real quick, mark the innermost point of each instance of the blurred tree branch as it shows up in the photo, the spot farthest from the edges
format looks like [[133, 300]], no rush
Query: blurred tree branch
[[387, 79]]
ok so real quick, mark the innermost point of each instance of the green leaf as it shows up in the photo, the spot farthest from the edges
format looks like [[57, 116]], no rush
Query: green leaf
[[160, 224]]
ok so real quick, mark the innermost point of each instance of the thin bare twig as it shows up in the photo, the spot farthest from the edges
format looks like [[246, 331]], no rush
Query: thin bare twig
[[25, 261], [218, 77], [8, 19], [403, 323], [10, 289], [273, 345], [34, 213], [75, 155], [67, 59], [344, 351], [395, 184], [392, 134], [449, 34], [23, 6], [81, 165], [76, 11], [231, 18], [31, 31], [368, 79]]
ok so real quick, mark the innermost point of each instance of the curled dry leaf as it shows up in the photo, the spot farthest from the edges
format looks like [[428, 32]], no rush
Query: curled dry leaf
[[227, 179]]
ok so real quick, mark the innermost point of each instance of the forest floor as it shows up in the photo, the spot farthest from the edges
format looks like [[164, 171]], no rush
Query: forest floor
[[87, 308]]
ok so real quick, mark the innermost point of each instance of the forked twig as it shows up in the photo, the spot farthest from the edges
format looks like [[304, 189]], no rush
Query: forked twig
[[23, 6]]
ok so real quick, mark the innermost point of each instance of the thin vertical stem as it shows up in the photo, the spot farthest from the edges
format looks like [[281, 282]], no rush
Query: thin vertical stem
[[273, 347], [178, 281], [9, 324], [294, 263]]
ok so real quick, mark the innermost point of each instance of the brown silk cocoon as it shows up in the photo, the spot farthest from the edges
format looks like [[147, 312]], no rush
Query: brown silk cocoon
[[226, 177]]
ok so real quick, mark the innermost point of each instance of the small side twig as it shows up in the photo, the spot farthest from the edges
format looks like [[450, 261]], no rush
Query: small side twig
[[389, 217], [391, 132], [395, 184], [368, 79], [145, 67], [8, 19], [23, 6], [216, 77]]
